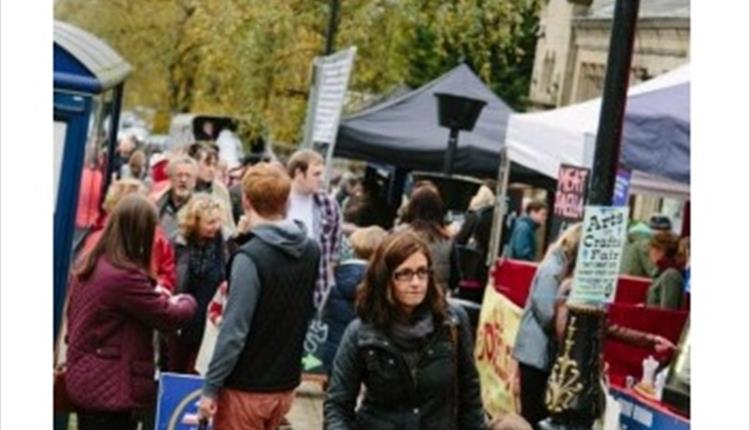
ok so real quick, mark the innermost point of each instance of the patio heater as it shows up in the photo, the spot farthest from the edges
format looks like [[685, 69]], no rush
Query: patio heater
[[456, 113]]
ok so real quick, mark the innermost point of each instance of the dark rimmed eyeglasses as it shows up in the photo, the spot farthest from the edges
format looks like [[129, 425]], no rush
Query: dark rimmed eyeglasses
[[407, 275]]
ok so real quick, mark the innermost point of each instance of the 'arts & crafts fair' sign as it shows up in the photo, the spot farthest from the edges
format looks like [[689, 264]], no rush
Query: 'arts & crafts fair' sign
[[599, 253]]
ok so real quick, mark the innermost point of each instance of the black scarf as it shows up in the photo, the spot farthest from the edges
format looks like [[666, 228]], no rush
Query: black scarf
[[413, 336], [206, 270]]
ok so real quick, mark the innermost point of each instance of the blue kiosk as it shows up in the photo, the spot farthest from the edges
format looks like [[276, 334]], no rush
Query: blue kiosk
[[88, 88]]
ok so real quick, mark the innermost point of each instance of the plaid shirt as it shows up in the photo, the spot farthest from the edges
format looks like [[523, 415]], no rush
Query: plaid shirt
[[328, 216]]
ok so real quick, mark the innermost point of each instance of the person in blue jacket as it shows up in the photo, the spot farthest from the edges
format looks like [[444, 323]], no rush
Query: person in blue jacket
[[339, 310], [522, 244]]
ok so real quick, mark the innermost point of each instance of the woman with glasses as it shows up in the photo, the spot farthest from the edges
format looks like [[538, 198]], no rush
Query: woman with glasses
[[408, 347]]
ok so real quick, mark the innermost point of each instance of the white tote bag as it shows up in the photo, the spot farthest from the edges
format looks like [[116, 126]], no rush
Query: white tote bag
[[211, 333]]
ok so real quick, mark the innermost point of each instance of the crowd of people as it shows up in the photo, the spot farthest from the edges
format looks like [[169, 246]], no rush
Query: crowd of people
[[543, 321], [174, 231]]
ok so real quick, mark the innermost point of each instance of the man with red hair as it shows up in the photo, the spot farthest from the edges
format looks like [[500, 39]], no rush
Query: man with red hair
[[253, 372]]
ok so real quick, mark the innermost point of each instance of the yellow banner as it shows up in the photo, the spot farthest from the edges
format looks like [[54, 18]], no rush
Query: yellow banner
[[496, 334]]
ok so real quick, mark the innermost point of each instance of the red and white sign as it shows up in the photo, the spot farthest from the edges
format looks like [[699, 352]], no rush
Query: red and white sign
[[572, 183]]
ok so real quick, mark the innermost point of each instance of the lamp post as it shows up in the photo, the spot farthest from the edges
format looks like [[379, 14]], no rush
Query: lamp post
[[456, 113], [574, 394], [333, 22]]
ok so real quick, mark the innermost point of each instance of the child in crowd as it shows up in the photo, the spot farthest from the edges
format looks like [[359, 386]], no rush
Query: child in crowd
[[339, 311]]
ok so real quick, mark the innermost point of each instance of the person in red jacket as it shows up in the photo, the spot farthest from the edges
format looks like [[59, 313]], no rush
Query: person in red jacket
[[162, 253], [112, 311], [89, 194]]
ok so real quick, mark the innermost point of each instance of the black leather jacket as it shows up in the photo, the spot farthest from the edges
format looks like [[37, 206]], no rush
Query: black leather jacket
[[441, 393]]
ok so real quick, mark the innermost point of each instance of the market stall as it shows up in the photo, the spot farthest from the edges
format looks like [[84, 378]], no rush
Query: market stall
[[500, 317], [404, 131], [656, 119]]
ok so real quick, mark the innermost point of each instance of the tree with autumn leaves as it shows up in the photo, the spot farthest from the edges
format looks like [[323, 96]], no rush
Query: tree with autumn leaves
[[252, 58]]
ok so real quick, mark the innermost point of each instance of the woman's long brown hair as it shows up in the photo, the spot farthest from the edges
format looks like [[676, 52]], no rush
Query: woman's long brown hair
[[373, 304], [425, 213], [127, 239]]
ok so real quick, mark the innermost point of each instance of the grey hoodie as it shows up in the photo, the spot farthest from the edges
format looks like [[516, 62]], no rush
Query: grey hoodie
[[288, 236], [535, 346]]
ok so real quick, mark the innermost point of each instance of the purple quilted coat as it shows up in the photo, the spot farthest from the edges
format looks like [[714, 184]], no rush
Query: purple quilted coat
[[111, 319]]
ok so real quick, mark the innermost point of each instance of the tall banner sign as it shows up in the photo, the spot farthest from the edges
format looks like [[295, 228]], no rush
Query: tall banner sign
[[496, 334], [330, 82], [599, 254]]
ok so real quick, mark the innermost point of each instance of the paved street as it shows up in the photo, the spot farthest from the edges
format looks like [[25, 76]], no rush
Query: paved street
[[306, 413], [307, 410]]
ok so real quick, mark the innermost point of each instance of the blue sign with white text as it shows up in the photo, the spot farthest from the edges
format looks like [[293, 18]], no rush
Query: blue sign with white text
[[177, 405], [622, 187], [638, 415]]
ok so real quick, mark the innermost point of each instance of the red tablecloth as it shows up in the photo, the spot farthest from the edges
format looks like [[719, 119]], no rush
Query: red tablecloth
[[631, 289], [513, 279], [625, 359]]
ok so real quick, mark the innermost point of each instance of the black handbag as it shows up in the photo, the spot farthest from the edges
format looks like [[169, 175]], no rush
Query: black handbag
[[470, 265]]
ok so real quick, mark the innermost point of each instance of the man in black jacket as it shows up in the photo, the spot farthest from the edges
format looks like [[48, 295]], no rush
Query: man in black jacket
[[256, 364]]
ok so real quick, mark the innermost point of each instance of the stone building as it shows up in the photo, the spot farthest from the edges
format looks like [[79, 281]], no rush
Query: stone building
[[573, 44]]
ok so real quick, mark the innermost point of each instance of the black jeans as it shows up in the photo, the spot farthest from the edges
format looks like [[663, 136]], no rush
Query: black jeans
[[533, 387], [101, 420]]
